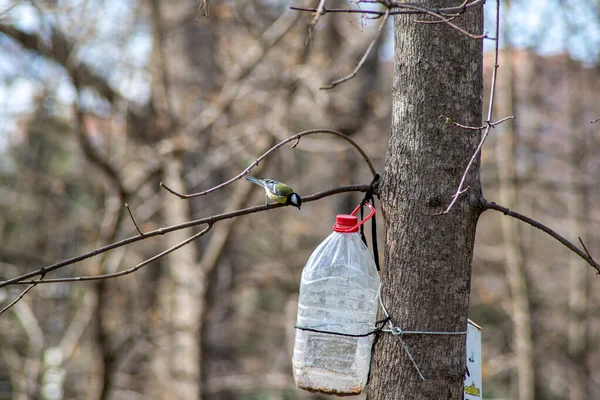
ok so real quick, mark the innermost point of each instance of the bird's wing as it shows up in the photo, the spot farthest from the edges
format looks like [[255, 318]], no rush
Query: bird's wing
[[270, 185], [281, 189]]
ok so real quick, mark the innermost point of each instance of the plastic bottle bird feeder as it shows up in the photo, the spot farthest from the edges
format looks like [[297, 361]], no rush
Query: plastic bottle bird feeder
[[337, 312]]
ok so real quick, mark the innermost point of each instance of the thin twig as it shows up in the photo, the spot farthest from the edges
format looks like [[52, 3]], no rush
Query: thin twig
[[15, 301], [318, 12], [460, 190], [161, 231], [364, 57], [133, 219], [23, 293], [585, 255], [397, 9], [132, 269], [203, 9], [445, 20], [146, 262], [423, 22], [585, 248], [594, 121], [272, 149], [444, 15], [477, 128], [496, 65]]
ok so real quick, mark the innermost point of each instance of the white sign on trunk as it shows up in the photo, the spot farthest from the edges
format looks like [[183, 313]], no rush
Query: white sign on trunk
[[473, 373]]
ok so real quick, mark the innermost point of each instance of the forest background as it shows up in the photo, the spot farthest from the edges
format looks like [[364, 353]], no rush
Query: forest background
[[102, 100]]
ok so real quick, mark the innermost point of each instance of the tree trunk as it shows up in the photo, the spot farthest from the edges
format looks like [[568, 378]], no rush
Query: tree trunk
[[180, 301], [578, 335], [427, 270], [184, 75]]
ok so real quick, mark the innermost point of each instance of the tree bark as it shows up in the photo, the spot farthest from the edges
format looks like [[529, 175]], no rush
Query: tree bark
[[427, 270]]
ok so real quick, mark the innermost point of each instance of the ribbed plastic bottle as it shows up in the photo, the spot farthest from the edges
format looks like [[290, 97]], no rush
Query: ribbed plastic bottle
[[338, 293]]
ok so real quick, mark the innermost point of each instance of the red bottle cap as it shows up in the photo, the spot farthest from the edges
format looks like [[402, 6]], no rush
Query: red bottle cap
[[346, 223]]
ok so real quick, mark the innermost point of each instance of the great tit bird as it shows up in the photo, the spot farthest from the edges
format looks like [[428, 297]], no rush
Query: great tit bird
[[280, 192]]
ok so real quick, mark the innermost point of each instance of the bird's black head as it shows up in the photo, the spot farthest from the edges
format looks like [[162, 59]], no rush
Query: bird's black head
[[294, 200]]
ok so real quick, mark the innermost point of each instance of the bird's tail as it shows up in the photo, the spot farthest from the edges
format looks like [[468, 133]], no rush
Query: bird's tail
[[256, 181]]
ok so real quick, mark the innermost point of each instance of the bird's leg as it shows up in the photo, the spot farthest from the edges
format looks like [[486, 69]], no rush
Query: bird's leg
[[266, 202]]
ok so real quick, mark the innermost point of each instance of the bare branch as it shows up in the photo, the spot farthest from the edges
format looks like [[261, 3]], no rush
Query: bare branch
[[364, 57], [460, 190], [496, 65], [132, 269], [585, 255], [133, 219], [445, 15], [397, 8], [203, 9], [313, 23], [585, 248], [294, 138], [594, 121], [477, 128], [423, 22], [23, 293], [161, 231], [445, 20], [15, 301]]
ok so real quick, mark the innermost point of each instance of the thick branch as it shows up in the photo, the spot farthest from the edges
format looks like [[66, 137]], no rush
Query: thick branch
[[583, 254], [208, 220]]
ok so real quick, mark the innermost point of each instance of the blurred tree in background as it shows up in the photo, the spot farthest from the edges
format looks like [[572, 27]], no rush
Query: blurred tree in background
[[119, 96], [147, 95]]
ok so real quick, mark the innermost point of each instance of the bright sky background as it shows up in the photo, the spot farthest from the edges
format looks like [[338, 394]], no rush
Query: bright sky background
[[546, 26], [550, 27]]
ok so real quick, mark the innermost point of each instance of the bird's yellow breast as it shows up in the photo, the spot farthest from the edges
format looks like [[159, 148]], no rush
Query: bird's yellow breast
[[274, 197]]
